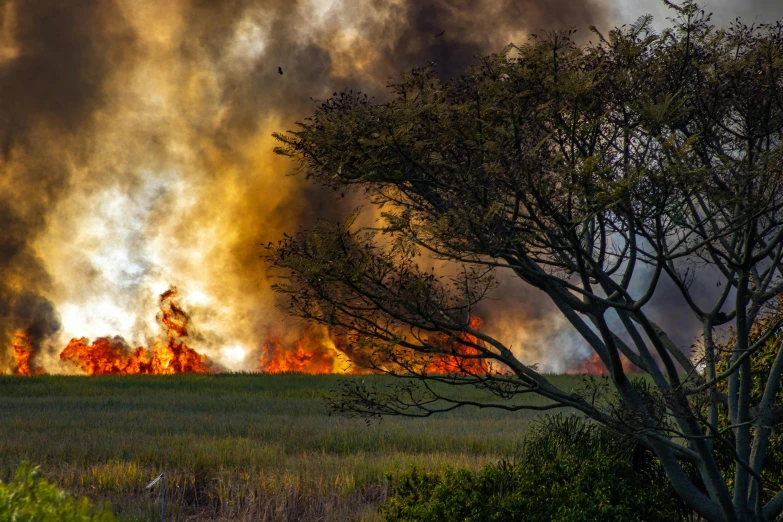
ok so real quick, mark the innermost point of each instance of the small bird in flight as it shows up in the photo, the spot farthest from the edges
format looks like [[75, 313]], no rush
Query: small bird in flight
[[440, 34], [280, 70]]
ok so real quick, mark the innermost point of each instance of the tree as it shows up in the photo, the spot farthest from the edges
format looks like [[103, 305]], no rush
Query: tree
[[592, 173], [762, 360]]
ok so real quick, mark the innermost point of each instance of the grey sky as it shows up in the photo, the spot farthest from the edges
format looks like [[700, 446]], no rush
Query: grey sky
[[723, 10]]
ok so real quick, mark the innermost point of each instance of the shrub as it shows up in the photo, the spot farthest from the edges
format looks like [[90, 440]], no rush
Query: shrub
[[30, 498], [569, 470]]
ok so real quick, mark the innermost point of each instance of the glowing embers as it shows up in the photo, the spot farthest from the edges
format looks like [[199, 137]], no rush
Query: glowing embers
[[113, 356], [312, 353], [22, 350]]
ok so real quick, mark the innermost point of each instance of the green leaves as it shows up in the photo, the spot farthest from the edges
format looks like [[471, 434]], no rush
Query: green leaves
[[30, 498], [580, 169], [568, 470]]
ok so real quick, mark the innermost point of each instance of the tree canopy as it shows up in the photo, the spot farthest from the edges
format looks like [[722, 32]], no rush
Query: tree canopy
[[591, 173]]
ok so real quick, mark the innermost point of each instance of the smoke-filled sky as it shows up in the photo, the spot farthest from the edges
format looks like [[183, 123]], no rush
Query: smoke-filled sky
[[135, 151]]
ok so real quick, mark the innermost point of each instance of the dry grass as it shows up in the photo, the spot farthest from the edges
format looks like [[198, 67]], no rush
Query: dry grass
[[234, 447]]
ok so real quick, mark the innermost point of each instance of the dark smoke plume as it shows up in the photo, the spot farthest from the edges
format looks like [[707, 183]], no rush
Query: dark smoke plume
[[53, 58]]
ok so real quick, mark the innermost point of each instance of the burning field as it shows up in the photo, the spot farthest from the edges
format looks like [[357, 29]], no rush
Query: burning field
[[106, 356], [317, 351], [137, 156], [314, 352]]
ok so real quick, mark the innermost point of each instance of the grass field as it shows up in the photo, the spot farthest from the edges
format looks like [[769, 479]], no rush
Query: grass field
[[234, 447]]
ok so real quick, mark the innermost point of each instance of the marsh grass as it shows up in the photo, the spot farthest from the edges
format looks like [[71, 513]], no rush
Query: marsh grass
[[234, 447]]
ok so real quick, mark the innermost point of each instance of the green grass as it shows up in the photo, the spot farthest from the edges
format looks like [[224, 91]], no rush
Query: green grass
[[234, 447]]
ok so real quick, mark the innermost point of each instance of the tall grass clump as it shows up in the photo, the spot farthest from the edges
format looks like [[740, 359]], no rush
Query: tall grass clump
[[568, 470]]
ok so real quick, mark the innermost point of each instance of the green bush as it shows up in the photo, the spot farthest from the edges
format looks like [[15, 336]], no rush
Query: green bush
[[30, 498], [569, 470]]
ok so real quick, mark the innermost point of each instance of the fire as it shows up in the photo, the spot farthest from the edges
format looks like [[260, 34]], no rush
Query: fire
[[595, 366], [320, 350], [311, 353], [113, 356], [22, 351], [448, 364]]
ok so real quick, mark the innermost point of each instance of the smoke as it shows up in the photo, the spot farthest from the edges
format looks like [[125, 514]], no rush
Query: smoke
[[135, 149], [524, 319], [51, 65]]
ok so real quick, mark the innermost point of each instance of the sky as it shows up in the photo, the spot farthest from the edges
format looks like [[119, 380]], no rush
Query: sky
[[724, 11], [135, 153]]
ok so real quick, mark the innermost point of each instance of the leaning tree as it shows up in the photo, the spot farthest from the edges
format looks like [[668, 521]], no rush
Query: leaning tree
[[594, 173]]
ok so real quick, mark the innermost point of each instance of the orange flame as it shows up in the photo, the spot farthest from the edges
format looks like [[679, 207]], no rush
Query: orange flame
[[595, 366], [457, 363], [319, 350], [113, 356], [22, 351], [310, 353]]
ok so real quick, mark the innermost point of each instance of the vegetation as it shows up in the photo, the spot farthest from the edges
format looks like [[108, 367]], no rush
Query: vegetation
[[30, 498], [568, 470], [762, 360], [592, 174], [234, 447]]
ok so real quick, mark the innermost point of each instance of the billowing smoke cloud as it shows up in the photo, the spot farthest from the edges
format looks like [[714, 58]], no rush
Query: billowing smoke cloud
[[135, 148], [52, 61]]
